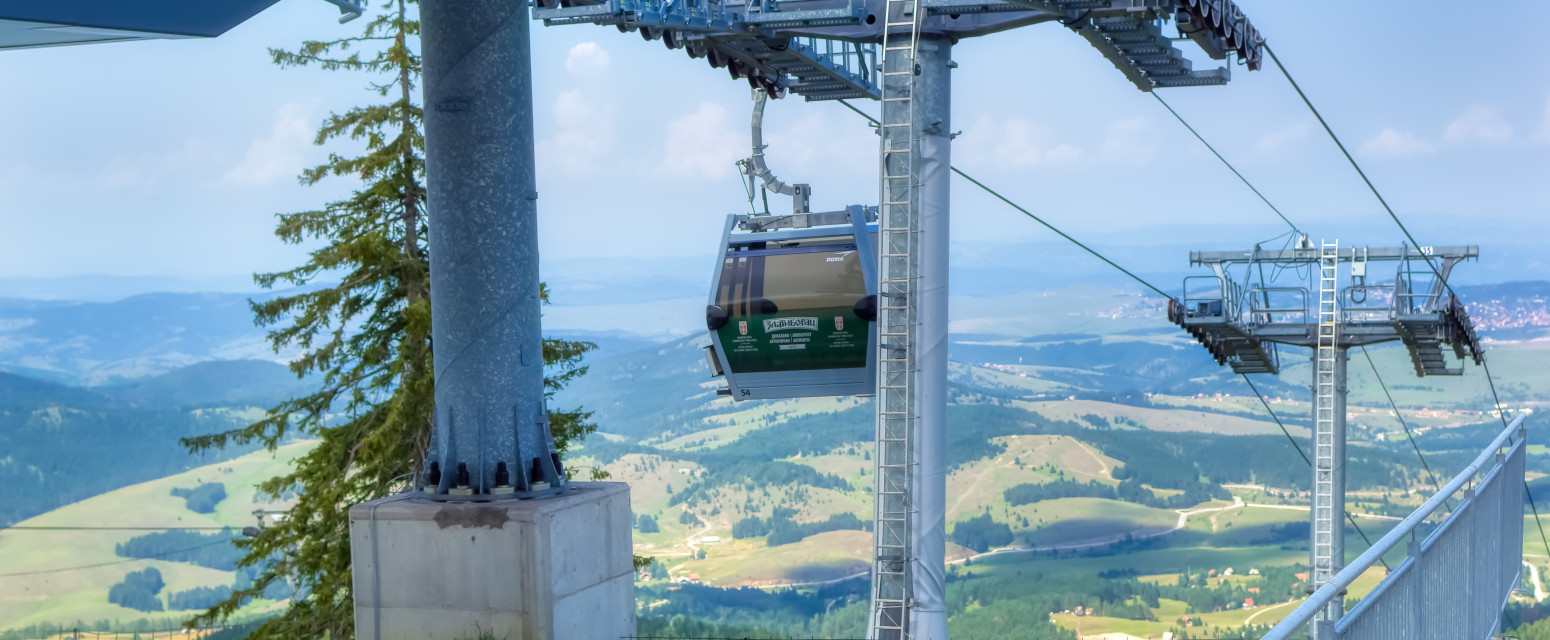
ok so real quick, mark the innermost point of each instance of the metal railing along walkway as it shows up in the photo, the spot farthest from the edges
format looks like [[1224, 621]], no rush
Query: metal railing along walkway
[[1454, 584]]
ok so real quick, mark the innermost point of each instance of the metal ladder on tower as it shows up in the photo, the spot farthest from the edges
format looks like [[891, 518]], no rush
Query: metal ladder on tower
[[898, 273], [1327, 350]]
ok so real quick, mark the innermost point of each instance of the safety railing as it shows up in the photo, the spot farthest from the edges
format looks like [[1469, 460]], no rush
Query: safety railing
[[1220, 300], [849, 57], [1278, 305], [1454, 584], [1416, 290], [1367, 303]]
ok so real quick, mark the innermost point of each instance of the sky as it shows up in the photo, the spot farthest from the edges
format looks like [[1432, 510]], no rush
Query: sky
[[170, 158]]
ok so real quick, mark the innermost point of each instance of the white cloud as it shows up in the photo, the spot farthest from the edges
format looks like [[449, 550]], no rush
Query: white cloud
[[1126, 142], [586, 57], [583, 133], [1011, 143], [281, 154], [1478, 124], [1395, 143], [818, 146], [703, 144], [1014, 143], [188, 163], [1280, 140]]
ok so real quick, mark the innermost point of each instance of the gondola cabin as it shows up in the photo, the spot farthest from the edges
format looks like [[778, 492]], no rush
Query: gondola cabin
[[793, 305]]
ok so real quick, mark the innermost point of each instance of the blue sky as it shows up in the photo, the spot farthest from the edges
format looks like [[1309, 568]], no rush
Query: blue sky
[[171, 157]]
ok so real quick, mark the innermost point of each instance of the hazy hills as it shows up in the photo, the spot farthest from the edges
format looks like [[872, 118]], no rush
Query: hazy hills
[[93, 343], [217, 383], [1051, 389], [60, 444]]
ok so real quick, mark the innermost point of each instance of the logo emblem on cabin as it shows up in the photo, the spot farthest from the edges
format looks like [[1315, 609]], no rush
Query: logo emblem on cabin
[[839, 323], [790, 324], [742, 327]]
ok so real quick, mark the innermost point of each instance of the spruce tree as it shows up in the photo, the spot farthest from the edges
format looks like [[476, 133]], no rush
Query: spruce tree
[[366, 338]]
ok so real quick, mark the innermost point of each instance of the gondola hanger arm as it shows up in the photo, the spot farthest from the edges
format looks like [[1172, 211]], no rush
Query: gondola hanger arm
[[756, 166]]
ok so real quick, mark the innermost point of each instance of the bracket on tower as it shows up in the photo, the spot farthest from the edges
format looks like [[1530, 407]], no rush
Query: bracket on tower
[[1234, 315], [826, 49]]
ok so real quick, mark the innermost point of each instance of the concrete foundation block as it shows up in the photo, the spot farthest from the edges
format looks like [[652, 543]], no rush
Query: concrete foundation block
[[557, 568]]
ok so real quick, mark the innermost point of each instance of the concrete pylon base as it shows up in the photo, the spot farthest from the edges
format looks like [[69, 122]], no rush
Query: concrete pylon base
[[554, 568]]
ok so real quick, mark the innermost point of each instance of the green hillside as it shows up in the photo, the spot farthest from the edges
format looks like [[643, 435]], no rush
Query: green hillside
[[65, 575], [218, 383], [1100, 467], [62, 444]]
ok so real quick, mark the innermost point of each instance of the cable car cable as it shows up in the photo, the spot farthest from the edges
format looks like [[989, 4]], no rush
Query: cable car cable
[[1273, 416], [116, 562], [1231, 168], [1149, 285], [1031, 215], [1370, 186], [1283, 217], [1295, 229], [1500, 411], [1349, 518], [1061, 233], [45, 528], [1489, 378], [1408, 434], [1343, 150]]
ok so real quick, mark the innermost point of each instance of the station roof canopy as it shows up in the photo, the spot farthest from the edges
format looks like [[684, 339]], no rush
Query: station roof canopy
[[34, 23]]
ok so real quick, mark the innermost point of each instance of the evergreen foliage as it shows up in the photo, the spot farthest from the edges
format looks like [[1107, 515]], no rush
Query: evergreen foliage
[[138, 591], [981, 533], [698, 611], [121, 444], [365, 340], [647, 524], [790, 532], [203, 498], [753, 527], [1129, 490], [730, 471], [204, 549], [681, 626], [1030, 493], [197, 598]]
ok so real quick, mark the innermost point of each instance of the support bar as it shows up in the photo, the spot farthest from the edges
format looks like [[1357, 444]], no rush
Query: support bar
[[1337, 584], [1311, 255]]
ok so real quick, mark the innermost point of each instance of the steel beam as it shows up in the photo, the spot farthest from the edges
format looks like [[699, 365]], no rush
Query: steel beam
[[1305, 256]]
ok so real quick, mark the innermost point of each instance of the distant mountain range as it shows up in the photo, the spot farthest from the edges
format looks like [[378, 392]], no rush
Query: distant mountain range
[[1044, 384], [60, 444], [95, 343], [117, 342]]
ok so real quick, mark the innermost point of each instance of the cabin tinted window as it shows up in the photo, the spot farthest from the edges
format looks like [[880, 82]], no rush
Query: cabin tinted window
[[792, 308]]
